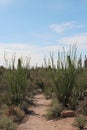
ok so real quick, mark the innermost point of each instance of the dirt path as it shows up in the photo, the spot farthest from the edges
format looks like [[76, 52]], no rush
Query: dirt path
[[37, 121]]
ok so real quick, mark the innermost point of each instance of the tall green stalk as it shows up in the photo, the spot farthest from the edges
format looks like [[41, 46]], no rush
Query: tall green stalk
[[17, 83], [65, 76]]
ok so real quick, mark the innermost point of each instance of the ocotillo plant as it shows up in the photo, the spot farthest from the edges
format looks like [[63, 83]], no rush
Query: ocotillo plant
[[65, 76], [17, 83]]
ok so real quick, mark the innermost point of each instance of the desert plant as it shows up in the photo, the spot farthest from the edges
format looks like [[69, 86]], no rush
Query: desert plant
[[17, 83], [85, 106], [80, 64], [7, 124], [48, 83], [85, 62], [65, 76], [54, 111], [81, 84], [16, 113], [82, 106], [80, 121]]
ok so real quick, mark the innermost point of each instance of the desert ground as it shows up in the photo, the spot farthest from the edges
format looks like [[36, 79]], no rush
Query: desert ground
[[37, 121]]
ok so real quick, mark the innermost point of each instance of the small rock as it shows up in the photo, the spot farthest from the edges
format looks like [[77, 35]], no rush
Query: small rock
[[67, 113]]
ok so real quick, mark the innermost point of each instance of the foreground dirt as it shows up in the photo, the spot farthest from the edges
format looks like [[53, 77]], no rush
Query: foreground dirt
[[36, 121]]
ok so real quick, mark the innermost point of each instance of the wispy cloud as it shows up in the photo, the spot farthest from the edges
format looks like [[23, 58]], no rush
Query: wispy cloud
[[35, 52], [80, 39], [38, 52], [59, 28]]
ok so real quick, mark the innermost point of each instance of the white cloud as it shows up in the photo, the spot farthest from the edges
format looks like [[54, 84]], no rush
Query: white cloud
[[36, 53], [59, 28], [80, 39]]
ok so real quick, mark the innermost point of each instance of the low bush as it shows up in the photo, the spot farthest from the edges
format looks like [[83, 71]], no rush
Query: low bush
[[16, 113], [54, 111], [80, 121], [82, 106], [7, 124]]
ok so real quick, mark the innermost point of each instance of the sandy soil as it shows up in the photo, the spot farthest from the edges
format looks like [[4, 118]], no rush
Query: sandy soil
[[36, 121]]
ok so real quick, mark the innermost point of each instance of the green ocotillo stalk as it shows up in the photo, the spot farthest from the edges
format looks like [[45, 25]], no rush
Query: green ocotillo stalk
[[65, 76], [17, 83]]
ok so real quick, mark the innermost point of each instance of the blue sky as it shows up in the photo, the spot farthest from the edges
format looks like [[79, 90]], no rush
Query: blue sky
[[36, 27]]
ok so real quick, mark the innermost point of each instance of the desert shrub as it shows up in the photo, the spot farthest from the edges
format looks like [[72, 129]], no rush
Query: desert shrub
[[49, 84], [16, 113], [65, 76], [17, 83], [81, 84], [82, 106], [80, 121], [62, 74], [3, 110], [3, 85], [7, 124], [75, 98], [2, 98], [35, 81], [54, 111], [85, 106], [40, 83], [44, 80], [79, 92]]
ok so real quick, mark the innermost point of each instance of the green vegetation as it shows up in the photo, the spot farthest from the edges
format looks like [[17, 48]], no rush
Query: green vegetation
[[65, 77], [80, 121], [54, 111], [64, 80], [7, 124], [17, 83]]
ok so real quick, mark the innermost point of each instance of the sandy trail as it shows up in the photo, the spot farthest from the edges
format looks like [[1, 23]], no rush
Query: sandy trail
[[37, 121]]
